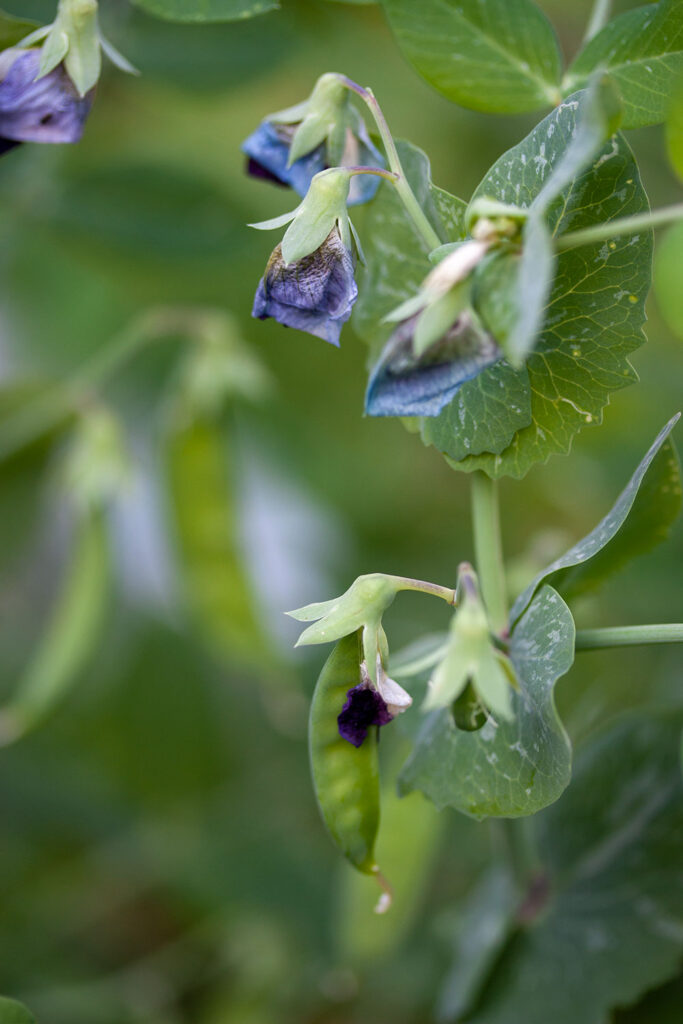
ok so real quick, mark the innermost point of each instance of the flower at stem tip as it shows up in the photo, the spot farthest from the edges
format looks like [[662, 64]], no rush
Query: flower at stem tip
[[309, 279], [371, 703], [474, 678], [46, 109], [291, 146]]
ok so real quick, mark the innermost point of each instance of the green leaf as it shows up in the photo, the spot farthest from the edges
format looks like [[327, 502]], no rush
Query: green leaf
[[206, 10], [513, 768], [14, 1013], [396, 258], [667, 280], [643, 52], [13, 30], [611, 928], [484, 925], [674, 128], [639, 519], [500, 56], [596, 310]]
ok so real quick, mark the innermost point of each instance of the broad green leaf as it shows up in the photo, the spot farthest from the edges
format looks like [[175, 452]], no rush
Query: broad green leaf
[[611, 927], [667, 279], [12, 1012], [396, 257], [639, 519], [513, 768], [596, 310], [643, 52], [206, 10], [485, 923], [500, 56], [13, 30]]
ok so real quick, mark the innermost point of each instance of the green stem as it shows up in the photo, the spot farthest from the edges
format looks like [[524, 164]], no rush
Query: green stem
[[629, 636], [405, 192], [48, 410], [421, 586], [600, 15], [488, 549], [622, 226]]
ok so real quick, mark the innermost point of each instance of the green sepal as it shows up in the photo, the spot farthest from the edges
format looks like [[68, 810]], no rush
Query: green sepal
[[438, 317], [323, 207], [324, 111], [362, 605]]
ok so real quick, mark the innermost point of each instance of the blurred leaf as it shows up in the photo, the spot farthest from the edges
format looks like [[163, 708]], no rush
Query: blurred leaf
[[613, 924], [14, 1013], [206, 10], [500, 56], [596, 309], [396, 257], [667, 279], [485, 923], [202, 506], [409, 835], [639, 519], [674, 127], [643, 52], [13, 30], [513, 768], [71, 636]]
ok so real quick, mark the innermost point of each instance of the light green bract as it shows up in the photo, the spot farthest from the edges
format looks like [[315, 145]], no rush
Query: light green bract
[[505, 769]]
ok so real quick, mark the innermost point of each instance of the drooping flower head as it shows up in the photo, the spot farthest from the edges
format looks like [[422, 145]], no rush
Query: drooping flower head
[[309, 279], [371, 703], [440, 341], [291, 146], [473, 678], [32, 109]]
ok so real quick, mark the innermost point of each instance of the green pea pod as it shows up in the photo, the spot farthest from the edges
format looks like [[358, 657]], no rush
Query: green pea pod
[[215, 582], [407, 846], [72, 633], [345, 778]]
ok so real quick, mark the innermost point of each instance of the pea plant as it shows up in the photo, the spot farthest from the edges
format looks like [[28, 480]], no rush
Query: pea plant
[[498, 327]]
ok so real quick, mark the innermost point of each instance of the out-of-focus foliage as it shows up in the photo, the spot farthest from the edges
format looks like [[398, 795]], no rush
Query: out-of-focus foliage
[[161, 858]]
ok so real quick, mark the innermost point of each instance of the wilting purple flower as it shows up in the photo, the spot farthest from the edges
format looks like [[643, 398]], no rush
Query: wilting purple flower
[[314, 294], [46, 110], [364, 707], [403, 385], [267, 151]]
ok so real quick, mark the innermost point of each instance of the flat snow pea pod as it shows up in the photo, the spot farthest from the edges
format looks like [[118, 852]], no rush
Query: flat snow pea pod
[[72, 633], [345, 778], [214, 578]]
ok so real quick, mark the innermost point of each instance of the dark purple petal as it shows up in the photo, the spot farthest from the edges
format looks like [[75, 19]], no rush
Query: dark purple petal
[[268, 152], [364, 707], [314, 294], [47, 110], [401, 385]]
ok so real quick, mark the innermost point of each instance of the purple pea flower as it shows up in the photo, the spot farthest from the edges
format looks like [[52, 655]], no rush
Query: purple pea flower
[[368, 704], [267, 151], [48, 109], [314, 294]]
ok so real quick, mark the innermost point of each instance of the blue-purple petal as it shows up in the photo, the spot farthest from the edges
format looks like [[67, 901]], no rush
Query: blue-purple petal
[[46, 110], [314, 294], [267, 150], [401, 385], [364, 708]]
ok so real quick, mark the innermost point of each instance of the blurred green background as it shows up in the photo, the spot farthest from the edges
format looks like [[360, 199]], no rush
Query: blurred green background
[[161, 855]]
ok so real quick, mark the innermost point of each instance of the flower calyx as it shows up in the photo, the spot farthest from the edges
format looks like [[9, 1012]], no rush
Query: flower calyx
[[475, 679]]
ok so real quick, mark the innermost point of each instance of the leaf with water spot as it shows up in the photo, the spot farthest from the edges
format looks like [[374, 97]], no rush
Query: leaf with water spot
[[206, 10], [506, 769], [611, 926]]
